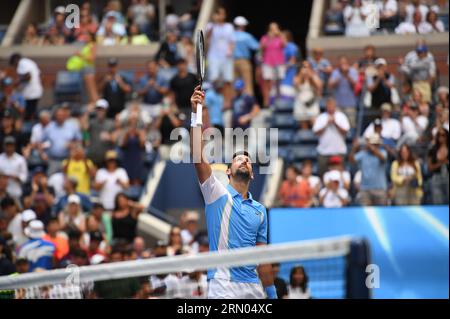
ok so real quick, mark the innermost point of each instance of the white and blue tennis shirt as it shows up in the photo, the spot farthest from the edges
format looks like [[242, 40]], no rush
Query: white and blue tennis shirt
[[233, 223]]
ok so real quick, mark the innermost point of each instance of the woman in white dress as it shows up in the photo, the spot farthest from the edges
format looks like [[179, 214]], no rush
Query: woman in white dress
[[308, 92], [355, 20]]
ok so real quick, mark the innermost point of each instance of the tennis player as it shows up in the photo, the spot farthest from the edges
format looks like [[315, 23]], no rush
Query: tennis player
[[234, 220]]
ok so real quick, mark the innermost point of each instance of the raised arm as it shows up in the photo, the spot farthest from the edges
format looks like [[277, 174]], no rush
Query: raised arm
[[201, 165]]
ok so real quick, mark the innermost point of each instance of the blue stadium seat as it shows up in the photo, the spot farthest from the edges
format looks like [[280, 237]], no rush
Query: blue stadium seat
[[300, 153], [283, 121], [284, 106], [305, 137], [285, 153], [68, 86], [285, 136]]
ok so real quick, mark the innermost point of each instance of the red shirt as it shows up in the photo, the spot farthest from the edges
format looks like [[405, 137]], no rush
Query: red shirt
[[295, 195]]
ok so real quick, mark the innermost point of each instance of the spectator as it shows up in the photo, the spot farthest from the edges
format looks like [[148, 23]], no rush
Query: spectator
[[140, 249], [220, 36], [424, 107], [294, 192], [15, 166], [29, 82], [172, 19], [442, 97], [87, 26], [58, 27], [8, 128], [244, 107], [166, 286], [335, 164], [70, 185], [6, 261], [272, 46], [214, 102], [367, 62], [186, 50], [406, 177], [331, 127], [115, 89], [94, 246], [342, 82], [279, 283], [88, 55], [189, 226], [245, 45], [58, 239], [135, 36], [388, 10], [100, 133], [153, 86], [436, 24], [37, 251], [39, 190], [110, 181], [439, 169], [193, 285], [413, 125], [308, 92], [22, 266], [17, 221], [124, 218], [417, 26], [74, 240], [102, 219], [320, 65], [313, 181], [167, 54], [182, 85], [61, 134], [37, 132], [80, 167], [334, 20], [298, 284], [175, 245], [111, 29], [132, 143], [380, 87], [372, 163], [355, 15], [142, 13], [72, 217], [11, 99], [3, 185], [333, 195], [53, 37], [292, 58], [420, 68], [168, 119], [413, 7], [136, 110], [390, 128], [32, 36]]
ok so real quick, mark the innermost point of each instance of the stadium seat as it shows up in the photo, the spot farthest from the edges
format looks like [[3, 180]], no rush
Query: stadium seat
[[305, 137], [285, 136], [284, 106], [68, 86], [285, 153], [300, 153], [283, 121]]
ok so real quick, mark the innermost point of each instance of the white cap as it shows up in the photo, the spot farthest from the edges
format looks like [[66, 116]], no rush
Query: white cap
[[334, 176], [60, 9], [35, 229], [28, 215], [73, 199], [380, 61], [240, 21], [97, 259], [102, 103]]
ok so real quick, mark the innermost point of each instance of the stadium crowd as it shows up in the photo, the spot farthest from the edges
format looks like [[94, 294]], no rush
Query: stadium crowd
[[70, 181]]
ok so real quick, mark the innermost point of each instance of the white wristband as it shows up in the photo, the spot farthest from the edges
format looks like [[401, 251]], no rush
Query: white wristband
[[193, 119]]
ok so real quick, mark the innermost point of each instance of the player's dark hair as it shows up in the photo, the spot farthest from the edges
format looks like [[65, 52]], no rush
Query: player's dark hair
[[237, 154]]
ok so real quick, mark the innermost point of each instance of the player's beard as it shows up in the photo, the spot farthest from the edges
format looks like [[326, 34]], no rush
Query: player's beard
[[242, 175]]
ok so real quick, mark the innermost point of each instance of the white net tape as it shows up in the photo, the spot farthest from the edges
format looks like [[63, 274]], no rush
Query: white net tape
[[311, 249]]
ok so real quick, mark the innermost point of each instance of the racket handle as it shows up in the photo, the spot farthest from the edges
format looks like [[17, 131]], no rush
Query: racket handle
[[199, 121]]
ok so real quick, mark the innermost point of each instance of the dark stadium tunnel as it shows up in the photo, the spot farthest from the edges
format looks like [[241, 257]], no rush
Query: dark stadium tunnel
[[291, 15]]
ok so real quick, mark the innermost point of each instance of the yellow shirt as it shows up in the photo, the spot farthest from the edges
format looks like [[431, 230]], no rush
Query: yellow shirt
[[79, 170]]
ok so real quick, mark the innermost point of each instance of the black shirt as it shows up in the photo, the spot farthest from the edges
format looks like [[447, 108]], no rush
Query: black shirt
[[281, 287], [115, 96], [124, 228], [183, 88]]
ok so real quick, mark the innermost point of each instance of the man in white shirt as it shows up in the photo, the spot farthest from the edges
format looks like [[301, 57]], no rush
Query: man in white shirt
[[331, 127], [391, 129], [15, 166], [29, 82], [110, 181], [333, 195], [194, 285], [416, 26], [37, 132], [413, 125], [413, 7], [189, 221]]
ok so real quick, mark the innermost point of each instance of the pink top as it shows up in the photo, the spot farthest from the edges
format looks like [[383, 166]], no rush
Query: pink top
[[273, 52]]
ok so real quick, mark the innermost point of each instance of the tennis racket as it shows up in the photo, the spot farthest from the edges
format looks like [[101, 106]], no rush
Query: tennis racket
[[200, 59]]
